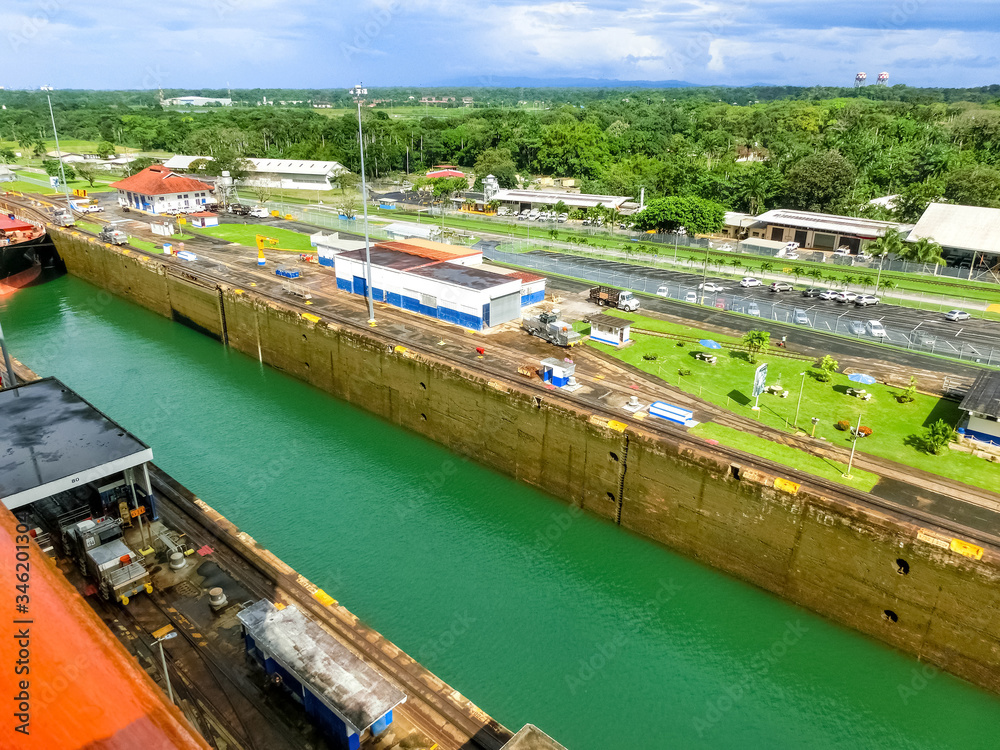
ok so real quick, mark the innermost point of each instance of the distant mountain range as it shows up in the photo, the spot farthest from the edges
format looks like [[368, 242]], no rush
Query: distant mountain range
[[507, 82]]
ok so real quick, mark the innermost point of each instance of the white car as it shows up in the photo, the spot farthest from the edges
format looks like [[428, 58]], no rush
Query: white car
[[866, 299], [799, 317], [711, 286], [846, 296], [663, 291], [828, 294], [956, 315], [562, 217], [875, 328], [753, 309], [749, 281], [691, 297]]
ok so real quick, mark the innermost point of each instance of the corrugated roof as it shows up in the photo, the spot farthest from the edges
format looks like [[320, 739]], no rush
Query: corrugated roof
[[160, 180], [468, 277], [281, 166], [445, 173], [430, 249], [573, 200], [348, 686], [608, 321], [864, 228], [983, 397], [962, 227]]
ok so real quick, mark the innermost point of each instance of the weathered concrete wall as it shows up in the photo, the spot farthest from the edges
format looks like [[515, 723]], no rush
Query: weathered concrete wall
[[822, 552]]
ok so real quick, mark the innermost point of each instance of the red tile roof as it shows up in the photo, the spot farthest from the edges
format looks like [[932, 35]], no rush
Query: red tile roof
[[524, 276], [158, 180], [445, 173], [204, 213]]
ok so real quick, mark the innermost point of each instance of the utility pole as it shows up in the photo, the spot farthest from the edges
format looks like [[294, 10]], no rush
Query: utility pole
[[854, 447], [359, 92], [62, 172], [799, 404]]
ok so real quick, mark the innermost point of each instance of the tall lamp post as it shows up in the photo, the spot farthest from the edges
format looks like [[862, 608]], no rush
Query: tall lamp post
[[854, 446], [62, 171], [359, 93], [799, 404], [165, 634]]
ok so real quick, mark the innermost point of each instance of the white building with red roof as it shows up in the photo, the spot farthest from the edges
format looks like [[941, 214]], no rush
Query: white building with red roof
[[158, 190]]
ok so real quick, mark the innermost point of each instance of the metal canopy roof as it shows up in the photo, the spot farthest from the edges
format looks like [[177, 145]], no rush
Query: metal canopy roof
[[345, 684], [983, 397], [54, 441], [960, 227], [532, 738], [608, 321], [865, 228], [572, 200]]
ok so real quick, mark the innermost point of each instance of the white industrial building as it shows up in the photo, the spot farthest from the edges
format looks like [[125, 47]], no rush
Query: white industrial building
[[965, 232], [159, 190], [440, 281], [816, 231], [528, 199], [197, 101], [286, 174]]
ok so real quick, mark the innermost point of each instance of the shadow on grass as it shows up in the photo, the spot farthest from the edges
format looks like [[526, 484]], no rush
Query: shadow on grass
[[733, 354], [739, 398], [943, 409]]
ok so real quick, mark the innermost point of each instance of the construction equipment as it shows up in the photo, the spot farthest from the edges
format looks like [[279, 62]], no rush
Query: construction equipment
[[63, 217], [271, 244], [611, 297], [546, 325]]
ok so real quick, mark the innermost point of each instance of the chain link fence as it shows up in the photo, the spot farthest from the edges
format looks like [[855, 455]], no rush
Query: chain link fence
[[821, 315]]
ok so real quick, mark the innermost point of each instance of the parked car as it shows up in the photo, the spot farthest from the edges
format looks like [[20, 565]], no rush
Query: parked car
[[828, 294], [957, 315], [842, 251], [875, 328], [812, 291], [691, 297], [846, 296], [663, 291], [799, 317], [711, 286], [780, 286], [856, 327], [866, 299], [562, 218], [749, 281], [753, 309]]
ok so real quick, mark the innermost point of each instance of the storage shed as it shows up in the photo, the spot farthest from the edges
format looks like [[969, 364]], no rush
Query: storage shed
[[349, 699], [470, 297], [982, 404], [204, 219], [610, 330]]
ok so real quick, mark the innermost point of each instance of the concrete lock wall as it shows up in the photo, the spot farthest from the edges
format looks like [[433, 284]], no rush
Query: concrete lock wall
[[820, 551]]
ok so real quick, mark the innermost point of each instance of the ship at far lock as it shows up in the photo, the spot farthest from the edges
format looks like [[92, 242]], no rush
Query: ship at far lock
[[27, 255]]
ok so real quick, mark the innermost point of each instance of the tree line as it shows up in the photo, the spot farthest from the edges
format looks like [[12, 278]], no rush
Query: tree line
[[831, 150]]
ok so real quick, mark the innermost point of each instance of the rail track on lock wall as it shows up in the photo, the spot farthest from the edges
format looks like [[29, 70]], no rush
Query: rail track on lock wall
[[725, 454]]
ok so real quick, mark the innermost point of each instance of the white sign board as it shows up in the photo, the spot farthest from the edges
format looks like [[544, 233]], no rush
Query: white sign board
[[759, 380]]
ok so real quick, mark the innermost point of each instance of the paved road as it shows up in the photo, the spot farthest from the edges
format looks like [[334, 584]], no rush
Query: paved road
[[974, 340]]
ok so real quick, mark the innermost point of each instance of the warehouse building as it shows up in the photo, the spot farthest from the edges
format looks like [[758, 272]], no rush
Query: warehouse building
[[521, 200], [982, 407], [285, 174], [350, 700], [967, 233], [816, 231], [417, 279]]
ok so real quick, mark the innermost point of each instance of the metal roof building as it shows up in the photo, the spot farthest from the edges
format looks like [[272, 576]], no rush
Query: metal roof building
[[820, 231], [970, 228], [342, 692], [418, 279], [982, 403], [56, 441], [533, 198], [294, 174]]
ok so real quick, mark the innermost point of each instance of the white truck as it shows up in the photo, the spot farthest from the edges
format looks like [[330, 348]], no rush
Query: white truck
[[259, 212], [611, 297]]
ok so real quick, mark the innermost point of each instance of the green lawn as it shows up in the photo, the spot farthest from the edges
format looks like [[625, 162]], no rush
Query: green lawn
[[787, 455], [728, 384], [244, 234]]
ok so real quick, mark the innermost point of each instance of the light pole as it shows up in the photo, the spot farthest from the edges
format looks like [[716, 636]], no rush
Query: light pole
[[799, 404], [9, 380], [170, 633], [358, 93], [62, 171], [854, 447]]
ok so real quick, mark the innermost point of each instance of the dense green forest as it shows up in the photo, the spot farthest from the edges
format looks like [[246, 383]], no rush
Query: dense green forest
[[822, 149]]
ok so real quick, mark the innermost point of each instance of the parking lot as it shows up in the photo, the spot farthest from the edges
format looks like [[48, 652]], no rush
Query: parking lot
[[920, 330]]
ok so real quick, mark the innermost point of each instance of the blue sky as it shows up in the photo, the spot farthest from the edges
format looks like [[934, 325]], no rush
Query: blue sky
[[307, 43]]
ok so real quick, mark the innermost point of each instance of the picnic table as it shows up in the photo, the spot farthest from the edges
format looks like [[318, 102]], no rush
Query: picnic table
[[704, 356], [859, 393]]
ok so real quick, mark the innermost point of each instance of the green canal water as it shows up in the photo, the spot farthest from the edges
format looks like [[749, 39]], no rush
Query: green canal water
[[536, 613]]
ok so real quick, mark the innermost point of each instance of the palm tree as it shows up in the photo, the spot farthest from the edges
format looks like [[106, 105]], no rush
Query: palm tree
[[849, 279], [924, 250], [886, 286], [736, 263], [890, 242], [765, 267], [866, 281], [816, 273], [796, 272]]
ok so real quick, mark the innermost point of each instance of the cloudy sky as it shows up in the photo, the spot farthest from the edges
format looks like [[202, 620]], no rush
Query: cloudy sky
[[308, 43]]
